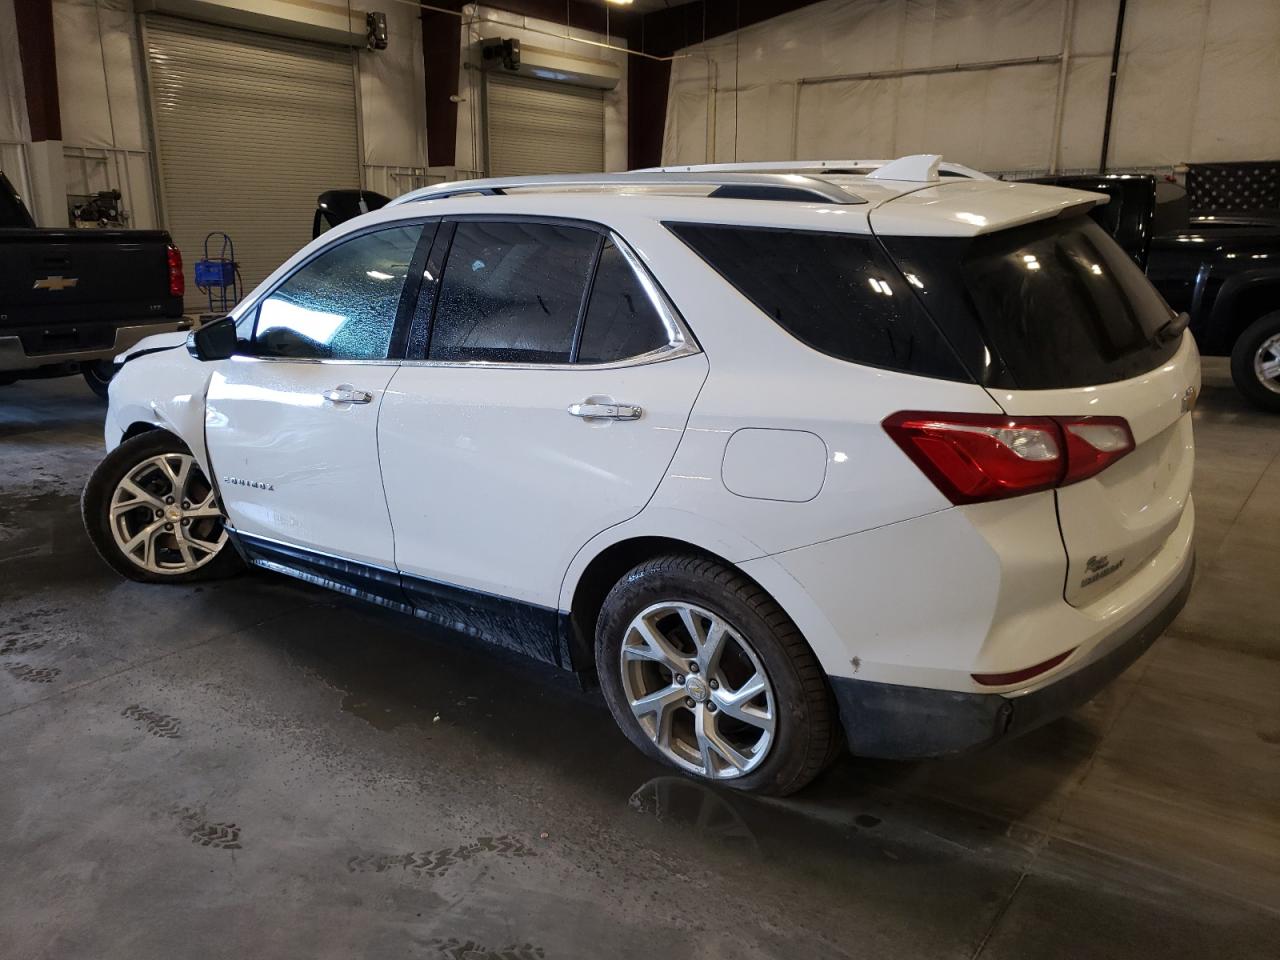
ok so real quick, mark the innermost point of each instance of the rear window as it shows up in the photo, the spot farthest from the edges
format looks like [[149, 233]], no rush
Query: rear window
[[1051, 305], [836, 292]]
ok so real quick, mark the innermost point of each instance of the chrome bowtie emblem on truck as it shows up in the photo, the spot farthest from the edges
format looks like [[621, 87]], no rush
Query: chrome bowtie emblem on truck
[[256, 484], [55, 283]]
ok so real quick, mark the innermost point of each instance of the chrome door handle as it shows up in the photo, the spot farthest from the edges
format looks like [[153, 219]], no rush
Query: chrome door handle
[[347, 395], [605, 411]]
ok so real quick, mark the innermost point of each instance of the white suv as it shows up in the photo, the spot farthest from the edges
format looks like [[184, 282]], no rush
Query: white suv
[[893, 456]]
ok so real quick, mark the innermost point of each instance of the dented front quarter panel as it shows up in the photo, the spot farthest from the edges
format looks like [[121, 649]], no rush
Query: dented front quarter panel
[[165, 389]]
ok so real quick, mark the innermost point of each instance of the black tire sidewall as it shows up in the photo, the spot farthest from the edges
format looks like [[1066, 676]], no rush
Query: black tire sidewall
[[786, 768], [95, 504], [1242, 354], [96, 383]]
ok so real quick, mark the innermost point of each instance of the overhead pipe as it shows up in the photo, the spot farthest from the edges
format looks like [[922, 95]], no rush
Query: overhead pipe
[[1111, 88], [467, 20]]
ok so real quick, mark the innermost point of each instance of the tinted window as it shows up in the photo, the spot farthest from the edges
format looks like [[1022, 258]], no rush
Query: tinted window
[[836, 292], [342, 305], [1050, 305], [511, 292], [621, 320]]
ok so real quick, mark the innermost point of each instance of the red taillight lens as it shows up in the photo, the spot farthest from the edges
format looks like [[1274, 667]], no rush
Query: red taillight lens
[[1093, 444], [974, 457], [177, 283]]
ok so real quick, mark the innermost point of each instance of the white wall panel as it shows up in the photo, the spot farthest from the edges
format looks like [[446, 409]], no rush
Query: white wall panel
[[393, 94], [13, 97], [99, 74], [1197, 82]]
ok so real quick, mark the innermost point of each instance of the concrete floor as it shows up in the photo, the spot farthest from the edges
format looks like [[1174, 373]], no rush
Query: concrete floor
[[261, 769]]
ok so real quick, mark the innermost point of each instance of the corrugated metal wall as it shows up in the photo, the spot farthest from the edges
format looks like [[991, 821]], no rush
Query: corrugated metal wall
[[536, 127], [250, 129]]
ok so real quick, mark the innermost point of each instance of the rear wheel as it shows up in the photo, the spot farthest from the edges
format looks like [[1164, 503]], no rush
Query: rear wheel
[[153, 516], [98, 376], [1255, 363], [702, 670]]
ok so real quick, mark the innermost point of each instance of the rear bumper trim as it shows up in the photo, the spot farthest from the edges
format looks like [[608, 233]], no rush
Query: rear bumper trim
[[14, 357], [893, 721]]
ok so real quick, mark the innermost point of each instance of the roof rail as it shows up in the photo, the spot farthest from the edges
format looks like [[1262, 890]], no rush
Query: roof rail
[[729, 185], [945, 168]]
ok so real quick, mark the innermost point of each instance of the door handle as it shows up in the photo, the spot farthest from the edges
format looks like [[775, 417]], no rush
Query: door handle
[[606, 411], [345, 394]]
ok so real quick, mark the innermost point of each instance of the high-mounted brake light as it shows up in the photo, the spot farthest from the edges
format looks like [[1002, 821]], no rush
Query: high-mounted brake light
[[973, 457], [177, 282]]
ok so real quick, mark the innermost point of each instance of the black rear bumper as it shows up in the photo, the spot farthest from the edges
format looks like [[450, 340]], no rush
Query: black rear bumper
[[892, 721]]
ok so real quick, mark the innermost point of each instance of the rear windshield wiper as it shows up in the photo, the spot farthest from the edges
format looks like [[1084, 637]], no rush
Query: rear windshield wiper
[[1172, 328]]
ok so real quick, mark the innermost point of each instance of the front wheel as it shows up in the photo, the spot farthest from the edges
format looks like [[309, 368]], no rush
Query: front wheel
[[1255, 363], [154, 517], [703, 671]]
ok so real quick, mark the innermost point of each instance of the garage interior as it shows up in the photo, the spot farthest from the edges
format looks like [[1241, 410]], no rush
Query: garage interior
[[258, 767]]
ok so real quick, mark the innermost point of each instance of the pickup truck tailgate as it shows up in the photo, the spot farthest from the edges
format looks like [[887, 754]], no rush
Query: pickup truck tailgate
[[54, 278]]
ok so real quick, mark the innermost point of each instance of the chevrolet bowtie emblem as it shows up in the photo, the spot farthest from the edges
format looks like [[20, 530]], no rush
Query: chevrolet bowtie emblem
[[55, 283]]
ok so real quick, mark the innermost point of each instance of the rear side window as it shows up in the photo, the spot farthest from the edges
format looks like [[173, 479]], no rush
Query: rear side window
[[511, 292], [621, 320], [1055, 304], [836, 292]]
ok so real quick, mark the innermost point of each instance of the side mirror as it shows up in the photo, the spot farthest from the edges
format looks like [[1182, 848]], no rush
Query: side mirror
[[213, 341]]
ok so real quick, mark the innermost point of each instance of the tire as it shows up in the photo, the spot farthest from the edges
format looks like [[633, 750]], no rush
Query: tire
[[98, 376], [699, 704], [1260, 340], [179, 553]]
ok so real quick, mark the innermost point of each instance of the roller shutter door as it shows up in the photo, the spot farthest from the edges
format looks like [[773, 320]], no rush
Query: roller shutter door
[[250, 129], [539, 127]]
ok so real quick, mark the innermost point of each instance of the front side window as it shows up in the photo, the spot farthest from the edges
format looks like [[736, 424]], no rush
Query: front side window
[[343, 304], [512, 292], [621, 320]]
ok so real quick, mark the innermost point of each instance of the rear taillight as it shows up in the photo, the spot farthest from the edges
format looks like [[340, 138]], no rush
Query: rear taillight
[[177, 283], [1093, 444], [973, 457]]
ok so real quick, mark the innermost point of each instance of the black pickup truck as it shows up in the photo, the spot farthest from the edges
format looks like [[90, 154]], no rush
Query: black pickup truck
[[70, 300], [1222, 269]]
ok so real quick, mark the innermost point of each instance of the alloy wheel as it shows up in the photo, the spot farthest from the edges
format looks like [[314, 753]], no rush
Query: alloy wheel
[[698, 690], [164, 515], [1266, 363]]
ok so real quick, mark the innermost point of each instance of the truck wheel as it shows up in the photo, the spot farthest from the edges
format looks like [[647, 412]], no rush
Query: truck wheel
[[1255, 363], [153, 516], [98, 376]]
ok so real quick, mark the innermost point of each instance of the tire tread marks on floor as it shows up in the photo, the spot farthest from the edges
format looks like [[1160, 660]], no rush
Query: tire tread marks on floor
[[455, 949], [436, 863], [156, 724], [192, 823], [24, 671]]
